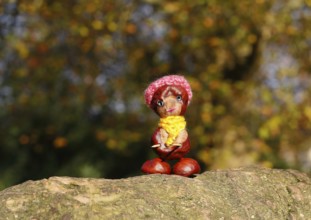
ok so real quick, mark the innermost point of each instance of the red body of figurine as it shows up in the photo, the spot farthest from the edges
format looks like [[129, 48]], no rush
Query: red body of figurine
[[169, 97]]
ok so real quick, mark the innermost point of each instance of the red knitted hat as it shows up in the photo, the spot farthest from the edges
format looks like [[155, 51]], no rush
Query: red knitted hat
[[170, 80]]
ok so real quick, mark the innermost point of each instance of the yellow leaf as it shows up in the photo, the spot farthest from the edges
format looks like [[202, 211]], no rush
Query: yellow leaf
[[270, 127], [112, 144], [307, 112], [274, 125], [204, 156], [84, 31], [112, 26], [263, 133], [172, 7], [21, 49], [195, 84], [266, 96], [267, 164], [206, 117], [260, 1], [97, 24]]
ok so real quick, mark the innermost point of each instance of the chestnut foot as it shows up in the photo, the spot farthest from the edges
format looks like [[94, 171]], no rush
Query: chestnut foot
[[186, 167], [156, 165]]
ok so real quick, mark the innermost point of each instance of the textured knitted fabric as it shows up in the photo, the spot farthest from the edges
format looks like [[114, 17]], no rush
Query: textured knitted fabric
[[173, 125], [170, 80]]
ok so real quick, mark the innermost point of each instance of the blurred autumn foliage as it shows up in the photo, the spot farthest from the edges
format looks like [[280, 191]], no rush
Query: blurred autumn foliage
[[73, 73]]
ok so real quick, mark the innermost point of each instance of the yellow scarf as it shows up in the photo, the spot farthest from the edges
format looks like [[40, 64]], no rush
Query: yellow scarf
[[172, 125]]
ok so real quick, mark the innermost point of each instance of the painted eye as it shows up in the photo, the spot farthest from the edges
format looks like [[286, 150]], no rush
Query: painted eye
[[160, 103], [179, 98]]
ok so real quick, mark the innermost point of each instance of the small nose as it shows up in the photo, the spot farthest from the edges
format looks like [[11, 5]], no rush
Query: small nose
[[170, 103]]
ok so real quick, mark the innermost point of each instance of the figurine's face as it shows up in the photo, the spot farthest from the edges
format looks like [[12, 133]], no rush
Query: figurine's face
[[170, 101]]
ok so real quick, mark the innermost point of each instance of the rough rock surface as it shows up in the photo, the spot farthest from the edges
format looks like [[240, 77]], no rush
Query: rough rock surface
[[245, 193]]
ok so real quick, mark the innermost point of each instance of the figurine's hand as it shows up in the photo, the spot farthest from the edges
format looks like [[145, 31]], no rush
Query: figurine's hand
[[160, 138], [176, 145], [155, 145], [163, 135], [158, 145], [181, 138]]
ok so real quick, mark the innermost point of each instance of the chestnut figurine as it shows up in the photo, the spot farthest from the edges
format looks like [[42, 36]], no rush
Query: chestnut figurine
[[169, 97]]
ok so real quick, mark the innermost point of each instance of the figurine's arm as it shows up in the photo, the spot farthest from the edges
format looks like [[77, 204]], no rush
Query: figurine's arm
[[161, 137], [181, 138]]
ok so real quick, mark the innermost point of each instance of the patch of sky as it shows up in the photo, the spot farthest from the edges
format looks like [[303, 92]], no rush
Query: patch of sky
[[280, 72]]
